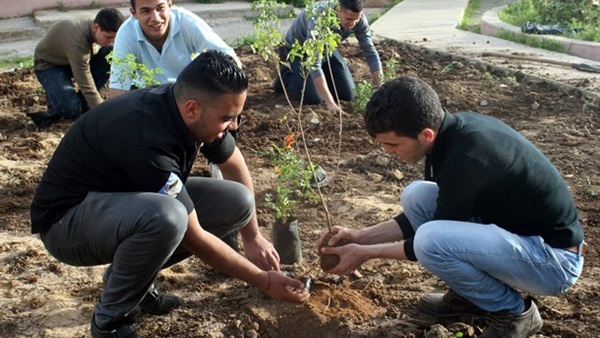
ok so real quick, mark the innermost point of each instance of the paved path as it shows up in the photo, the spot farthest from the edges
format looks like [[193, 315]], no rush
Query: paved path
[[431, 24], [420, 23]]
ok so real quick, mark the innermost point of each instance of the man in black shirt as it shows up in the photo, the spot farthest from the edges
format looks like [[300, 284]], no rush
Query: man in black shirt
[[493, 216], [118, 190]]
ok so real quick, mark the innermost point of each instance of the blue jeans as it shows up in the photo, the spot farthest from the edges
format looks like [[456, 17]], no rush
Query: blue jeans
[[57, 82], [140, 233], [484, 263], [336, 66]]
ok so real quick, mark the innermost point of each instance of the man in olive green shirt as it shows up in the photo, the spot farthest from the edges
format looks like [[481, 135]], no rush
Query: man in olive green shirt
[[74, 49]]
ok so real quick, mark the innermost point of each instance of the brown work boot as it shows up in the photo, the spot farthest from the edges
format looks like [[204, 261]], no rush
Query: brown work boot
[[504, 324], [447, 305]]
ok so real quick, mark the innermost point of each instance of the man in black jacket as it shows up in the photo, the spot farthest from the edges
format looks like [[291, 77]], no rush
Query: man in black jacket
[[118, 190], [493, 216]]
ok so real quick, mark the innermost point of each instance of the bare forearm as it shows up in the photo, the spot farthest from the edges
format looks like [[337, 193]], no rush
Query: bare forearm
[[377, 77], [384, 232], [323, 89], [393, 250]]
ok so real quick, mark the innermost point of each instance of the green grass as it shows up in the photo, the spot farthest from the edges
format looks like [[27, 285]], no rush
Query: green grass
[[244, 40], [531, 41], [22, 62], [581, 18], [378, 15], [468, 23], [519, 13]]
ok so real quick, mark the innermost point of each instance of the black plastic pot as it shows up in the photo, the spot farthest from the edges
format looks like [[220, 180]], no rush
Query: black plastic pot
[[286, 241]]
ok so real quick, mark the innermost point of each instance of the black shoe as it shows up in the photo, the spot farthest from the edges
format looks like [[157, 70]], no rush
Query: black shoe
[[43, 119], [157, 303], [504, 324], [448, 305], [125, 330]]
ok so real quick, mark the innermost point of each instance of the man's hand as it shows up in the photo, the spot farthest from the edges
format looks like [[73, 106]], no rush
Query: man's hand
[[377, 78], [333, 107], [349, 254], [351, 258], [261, 252], [282, 287], [339, 233]]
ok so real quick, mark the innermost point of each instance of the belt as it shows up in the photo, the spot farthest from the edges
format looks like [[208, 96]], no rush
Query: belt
[[575, 249]]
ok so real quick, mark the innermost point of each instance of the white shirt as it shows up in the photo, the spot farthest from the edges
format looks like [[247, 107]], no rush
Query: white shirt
[[189, 36]]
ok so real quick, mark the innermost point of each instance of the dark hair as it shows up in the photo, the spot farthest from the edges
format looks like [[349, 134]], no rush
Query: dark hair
[[406, 106], [354, 5], [109, 19], [210, 75]]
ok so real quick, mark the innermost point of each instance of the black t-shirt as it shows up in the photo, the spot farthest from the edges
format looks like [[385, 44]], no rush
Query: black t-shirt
[[134, 142], [486, 169]]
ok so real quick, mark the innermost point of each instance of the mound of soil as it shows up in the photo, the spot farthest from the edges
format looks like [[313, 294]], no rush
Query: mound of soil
[[44, 298]]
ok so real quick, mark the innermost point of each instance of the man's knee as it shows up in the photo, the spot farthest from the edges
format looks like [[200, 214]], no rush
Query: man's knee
[[168, 219], [428, 240], [410, 194], [69, 107], [244, 205]]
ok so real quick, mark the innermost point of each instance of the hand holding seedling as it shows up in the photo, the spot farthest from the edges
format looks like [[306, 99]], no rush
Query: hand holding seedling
[[331, 259]]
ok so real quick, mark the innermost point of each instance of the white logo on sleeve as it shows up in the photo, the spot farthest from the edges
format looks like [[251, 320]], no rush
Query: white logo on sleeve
[[172, 187]]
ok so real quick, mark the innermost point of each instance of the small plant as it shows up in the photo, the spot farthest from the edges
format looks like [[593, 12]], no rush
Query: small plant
[[365, 89], [244, 40], [132, 71], [325, 41], [61, 7], [490, 79], [512, 82], [292, 184]]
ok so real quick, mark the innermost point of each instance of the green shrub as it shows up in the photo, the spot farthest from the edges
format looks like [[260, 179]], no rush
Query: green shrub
[[583, 16]]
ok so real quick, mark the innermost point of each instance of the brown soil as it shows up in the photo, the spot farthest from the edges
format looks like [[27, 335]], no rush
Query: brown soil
[[44, 298]]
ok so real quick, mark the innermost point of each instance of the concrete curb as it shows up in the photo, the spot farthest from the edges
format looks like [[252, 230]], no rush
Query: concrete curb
[[491, 25]]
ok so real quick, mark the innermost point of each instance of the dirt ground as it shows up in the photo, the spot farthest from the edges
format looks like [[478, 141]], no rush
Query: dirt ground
[[44, 298]]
